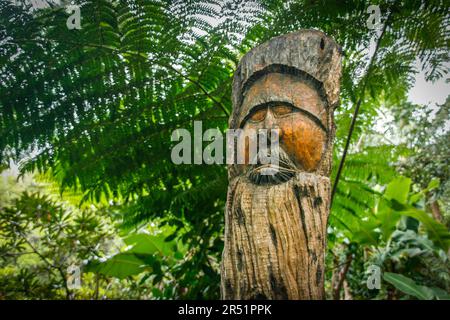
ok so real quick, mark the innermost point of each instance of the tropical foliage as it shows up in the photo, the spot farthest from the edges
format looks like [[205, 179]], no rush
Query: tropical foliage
[[91, 111]]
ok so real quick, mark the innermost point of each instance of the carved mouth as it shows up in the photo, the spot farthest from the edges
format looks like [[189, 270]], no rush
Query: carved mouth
[[272, 174]]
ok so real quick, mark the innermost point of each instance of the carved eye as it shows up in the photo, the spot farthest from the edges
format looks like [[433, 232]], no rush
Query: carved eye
[[279, 111], [258, 115]]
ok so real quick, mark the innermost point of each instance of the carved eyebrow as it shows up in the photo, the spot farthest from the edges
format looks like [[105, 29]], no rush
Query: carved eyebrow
[[288, 70], [269, 104]]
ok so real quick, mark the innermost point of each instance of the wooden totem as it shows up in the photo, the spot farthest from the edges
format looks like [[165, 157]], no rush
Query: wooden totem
[[276, 228]]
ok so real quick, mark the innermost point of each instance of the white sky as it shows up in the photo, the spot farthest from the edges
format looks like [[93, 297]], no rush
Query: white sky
[[425, 92]]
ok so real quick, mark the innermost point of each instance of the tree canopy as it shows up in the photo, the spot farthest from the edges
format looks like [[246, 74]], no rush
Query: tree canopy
[[93, 110]]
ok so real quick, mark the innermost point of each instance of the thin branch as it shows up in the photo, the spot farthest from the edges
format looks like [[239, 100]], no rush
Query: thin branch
[[37, 252], [342, 274], [49, 264], [358, 105]]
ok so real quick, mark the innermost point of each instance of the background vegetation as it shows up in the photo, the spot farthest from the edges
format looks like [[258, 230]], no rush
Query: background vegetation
[[87, 116]]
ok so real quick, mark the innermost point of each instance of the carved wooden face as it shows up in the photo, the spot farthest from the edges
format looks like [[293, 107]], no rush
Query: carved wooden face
[[293, 106]]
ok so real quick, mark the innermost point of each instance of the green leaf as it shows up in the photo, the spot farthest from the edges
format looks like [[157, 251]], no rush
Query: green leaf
[[120, 266], [398, 189], [415, 197], [408, 286], [440, 294], [171, 237], [366, 234], [413, 238], [148, 244], [388, 218], [406, 253], [436, 231], [434, 183]]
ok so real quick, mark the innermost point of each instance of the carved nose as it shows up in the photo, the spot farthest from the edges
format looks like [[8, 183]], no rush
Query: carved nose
[[270, 121]]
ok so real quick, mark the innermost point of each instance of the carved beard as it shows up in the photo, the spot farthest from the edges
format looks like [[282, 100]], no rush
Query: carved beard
[[272, 231]]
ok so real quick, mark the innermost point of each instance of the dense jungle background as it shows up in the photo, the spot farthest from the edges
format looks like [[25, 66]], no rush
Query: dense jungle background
[[91, 205]]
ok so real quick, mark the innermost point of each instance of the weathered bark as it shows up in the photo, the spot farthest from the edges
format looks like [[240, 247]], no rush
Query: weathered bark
[[434, 208], [275, 232], [275, 240], [347, 292]]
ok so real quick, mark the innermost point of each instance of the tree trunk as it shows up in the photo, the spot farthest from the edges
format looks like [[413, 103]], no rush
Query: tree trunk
[[276, 226], [347, 292], [341, 277]]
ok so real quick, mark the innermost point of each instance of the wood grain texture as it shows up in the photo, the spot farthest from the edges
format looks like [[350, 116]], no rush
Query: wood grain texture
[[275, 239]]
